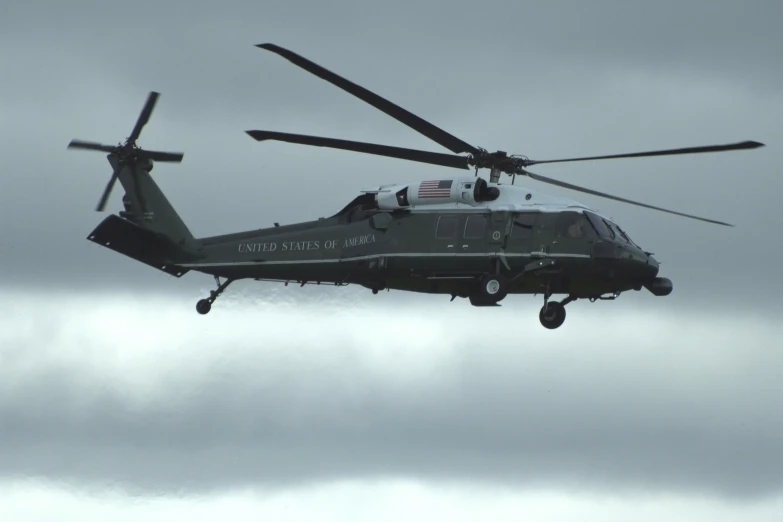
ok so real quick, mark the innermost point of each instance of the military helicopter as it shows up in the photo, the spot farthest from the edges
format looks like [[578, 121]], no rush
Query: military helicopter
[[459, 236]]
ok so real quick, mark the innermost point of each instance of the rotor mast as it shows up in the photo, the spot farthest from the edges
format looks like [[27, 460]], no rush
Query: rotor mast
[[494, 174]]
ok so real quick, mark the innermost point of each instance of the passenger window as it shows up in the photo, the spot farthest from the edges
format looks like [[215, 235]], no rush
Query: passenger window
[[475, 226], [447, 227], [523, 225]]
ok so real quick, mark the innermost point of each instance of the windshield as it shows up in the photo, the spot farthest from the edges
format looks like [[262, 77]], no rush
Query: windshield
[[624, 234], [608, 229], [601, 226]]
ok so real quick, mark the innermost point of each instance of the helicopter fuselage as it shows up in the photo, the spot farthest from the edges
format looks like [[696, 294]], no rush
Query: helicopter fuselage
[[540, 243]]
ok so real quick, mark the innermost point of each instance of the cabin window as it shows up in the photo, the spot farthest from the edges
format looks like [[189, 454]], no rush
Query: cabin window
[[447, 227], [475, 227], [572, 225], [523, 224], [602, 228]]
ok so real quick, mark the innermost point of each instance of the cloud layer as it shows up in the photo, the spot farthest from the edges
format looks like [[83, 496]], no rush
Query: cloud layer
[[382, 501], [142, 392]]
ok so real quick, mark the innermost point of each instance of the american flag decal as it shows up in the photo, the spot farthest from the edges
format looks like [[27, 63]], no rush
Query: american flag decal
[[435, 189]]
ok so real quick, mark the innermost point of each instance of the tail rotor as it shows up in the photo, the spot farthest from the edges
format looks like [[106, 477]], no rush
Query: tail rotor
[[128, 153]]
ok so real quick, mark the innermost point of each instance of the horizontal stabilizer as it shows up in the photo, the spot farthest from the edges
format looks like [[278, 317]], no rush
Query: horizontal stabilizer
[[139, 244]]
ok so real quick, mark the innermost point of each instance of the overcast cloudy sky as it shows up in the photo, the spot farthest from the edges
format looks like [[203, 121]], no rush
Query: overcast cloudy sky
[[119, 402]]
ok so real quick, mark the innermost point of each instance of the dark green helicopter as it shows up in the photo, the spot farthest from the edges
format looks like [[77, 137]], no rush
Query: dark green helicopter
[[459, 236]]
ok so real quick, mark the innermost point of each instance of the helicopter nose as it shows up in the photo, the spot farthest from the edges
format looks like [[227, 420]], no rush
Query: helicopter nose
[[653, 264], [639, 264], [627, 261]]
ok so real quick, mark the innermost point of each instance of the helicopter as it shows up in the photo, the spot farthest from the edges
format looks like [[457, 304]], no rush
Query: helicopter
[[459, 236]]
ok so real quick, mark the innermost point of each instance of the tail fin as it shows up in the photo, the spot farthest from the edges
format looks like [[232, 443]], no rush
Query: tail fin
[[151, 231], [144, 202]]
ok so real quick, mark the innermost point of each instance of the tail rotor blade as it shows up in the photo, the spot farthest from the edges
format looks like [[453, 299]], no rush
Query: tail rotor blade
[[89, 145], [126, 154], [171, 157], [106, 192], [144, 116]]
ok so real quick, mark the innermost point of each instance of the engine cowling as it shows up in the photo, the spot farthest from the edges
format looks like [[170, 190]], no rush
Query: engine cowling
[[472, 191]]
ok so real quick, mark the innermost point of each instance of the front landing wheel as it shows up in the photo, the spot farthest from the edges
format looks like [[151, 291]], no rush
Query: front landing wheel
[[203, 306], [552, 315]]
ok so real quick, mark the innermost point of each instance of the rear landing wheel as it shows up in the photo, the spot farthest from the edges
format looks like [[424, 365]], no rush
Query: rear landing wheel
[[203, 306], [552, 315]]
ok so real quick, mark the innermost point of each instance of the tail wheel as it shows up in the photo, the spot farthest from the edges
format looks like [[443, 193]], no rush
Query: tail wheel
[[552, 315], [203, 306]]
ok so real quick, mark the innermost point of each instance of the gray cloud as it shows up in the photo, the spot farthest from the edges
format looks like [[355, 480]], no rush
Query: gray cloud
[[103, 390]]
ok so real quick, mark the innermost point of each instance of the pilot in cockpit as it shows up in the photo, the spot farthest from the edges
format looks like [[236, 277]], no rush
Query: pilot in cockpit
[[575, 230], [571, 225]]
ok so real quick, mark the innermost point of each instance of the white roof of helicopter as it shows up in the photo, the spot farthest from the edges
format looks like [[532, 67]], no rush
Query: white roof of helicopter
[[512, 198]]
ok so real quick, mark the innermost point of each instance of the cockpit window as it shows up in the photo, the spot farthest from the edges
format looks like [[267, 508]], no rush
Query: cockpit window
[[572, 225], [601, 226], [617, 231], [625, 236], [608, 229]]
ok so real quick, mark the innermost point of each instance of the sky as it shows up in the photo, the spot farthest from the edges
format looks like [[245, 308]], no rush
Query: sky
[[119, 402]]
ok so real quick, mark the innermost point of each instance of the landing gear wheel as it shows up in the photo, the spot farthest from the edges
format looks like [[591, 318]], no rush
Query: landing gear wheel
[[203, 306], [552, 315], [493, 288]]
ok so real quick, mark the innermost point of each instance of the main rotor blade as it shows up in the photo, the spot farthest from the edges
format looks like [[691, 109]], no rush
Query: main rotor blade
[[107, 191], [424, 127], [563, 184], [667, 152], [173, 157], [144, 116], [433, 158], [89, 145]]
